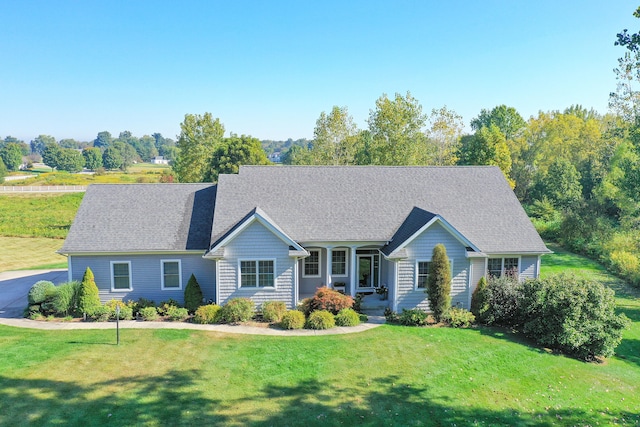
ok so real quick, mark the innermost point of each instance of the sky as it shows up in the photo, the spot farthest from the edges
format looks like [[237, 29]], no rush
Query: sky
[[71, 69]]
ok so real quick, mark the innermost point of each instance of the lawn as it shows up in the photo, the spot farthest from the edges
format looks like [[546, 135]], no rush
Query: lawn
[[35, 253], [391, 375]]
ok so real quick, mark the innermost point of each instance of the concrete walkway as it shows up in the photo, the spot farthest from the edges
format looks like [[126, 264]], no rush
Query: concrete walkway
[[15, 285]]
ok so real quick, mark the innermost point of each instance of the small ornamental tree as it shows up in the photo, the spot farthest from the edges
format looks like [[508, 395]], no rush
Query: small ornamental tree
[[88, 296], [439, 282], [479, 299], [192, 295]]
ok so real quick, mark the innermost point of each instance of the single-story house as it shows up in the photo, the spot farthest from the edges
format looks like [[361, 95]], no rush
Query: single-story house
[[280, 232]]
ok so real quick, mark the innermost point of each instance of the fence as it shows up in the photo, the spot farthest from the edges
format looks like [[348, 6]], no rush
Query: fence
[[43, 188]]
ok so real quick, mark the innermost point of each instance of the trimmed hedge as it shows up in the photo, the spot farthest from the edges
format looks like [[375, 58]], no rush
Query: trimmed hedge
[[292, 319], [39, 290], [237, 310], [65, 301], [207, 314], [347, 317], [272, 311], [321, 319]]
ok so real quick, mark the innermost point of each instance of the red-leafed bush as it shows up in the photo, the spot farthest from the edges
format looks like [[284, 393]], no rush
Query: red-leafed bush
[[327, 299]]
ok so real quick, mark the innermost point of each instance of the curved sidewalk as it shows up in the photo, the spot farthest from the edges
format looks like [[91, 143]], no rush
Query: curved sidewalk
[[373, 322]]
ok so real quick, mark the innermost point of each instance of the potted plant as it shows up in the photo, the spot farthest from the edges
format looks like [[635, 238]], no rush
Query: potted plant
[[383, 291]]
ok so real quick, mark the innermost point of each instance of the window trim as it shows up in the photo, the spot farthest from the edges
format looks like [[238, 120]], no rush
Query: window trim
[[502, 270], [415, 273], [346, 263], [257, 273], [162, 274], [304, 263], [113, 288]]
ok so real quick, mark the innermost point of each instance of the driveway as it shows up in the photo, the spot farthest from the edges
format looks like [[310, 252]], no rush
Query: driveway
[[15, 285]]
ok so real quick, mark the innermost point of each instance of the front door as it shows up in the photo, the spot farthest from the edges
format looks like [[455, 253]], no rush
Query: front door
[[367, 271]]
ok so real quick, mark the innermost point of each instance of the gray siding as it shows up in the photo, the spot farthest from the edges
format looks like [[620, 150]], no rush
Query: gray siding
[[256, 242], [477, 272], [308, 285], [421, 249], [146, 275], [529, 267]]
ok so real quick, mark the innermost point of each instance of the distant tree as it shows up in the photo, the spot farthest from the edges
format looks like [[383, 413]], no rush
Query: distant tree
[[69, 160], [396, 130], [92, 158], [111, 158], [11, 155], [561, 185], [334, 138], [127, 153], [146, 148], [103, 140], [70, 143], [439, 282], [444, 136], [234, 152], [38, 144], [50, 154], [199, 137], [3, 171], [507, 119], [10, 138], [169, 152], [486, 147]]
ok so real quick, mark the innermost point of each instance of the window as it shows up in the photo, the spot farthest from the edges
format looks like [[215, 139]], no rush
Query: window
[[339, 262], [423, 274], [171, 274], [312, 264], [499, 266], [120, 275], [257, 273]]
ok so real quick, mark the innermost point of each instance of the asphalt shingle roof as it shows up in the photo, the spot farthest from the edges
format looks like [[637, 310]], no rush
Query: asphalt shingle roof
[[143, 217], [370, 203]]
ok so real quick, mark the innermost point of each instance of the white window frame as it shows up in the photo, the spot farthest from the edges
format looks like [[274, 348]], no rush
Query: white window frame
[[346, 263], [162, 263], [256, 261], [415, 273], [113, 288], [304, 263], [502, 269]]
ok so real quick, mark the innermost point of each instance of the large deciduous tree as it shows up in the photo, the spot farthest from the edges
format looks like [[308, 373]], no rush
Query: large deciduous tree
[[11, 155], [396, 127], [444, 136], [334, 138], [199, 137], [39, 143], [507, 119], [233, 152], [486, 147], [92, 158], [103, 140]]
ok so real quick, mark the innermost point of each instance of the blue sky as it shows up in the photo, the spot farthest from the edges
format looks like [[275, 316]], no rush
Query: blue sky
[[269, 68]]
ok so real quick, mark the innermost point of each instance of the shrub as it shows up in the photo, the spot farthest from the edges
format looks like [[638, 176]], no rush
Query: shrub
[[236, 310], [192, 295], [38, 292], [148, 313], [413, 317], [503, 299], [272, 311], [575, 316], [321, 319], [206, 314], [327, 299], [390, 315], [65, 300], [165, 306], [101, 313], [292, 319], [177, 314], [126, 312], [347, 317], [88, 295], [439, 282], [459, 318], [479, 299], [141, 303]]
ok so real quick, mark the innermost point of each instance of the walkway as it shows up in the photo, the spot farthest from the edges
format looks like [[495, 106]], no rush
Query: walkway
[[15, 285]]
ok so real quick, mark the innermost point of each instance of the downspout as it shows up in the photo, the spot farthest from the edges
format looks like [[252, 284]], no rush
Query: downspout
[[216, 294], [296, 284], [69, 269], [395, 289]]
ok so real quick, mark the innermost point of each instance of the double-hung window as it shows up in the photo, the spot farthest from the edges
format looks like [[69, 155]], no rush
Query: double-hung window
[[121, 275], [423, 274], [498, 267], [339, 262], [257, 274], [171, 274], [311, 264]]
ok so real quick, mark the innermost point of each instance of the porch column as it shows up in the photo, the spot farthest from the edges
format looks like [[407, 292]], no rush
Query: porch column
[[329, 263], [353, 275]]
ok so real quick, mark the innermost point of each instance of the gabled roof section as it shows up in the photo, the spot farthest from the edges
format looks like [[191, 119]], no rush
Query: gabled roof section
[[370, 203], [256, 214], [414, 225], [142, 218]]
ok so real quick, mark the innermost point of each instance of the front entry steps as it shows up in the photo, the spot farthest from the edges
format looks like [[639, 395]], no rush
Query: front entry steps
[[372, 305]]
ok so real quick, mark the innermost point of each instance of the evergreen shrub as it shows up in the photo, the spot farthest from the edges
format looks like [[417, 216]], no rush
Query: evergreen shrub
[[292, 319], [236, 310], [413, 317], [459, 318], [65, 301], [38, 292], [347, 317], [192, 295], [272, 311], [439, 282], [88, 295], [321, 319], [177, 314], [148, 313], [206, 314]]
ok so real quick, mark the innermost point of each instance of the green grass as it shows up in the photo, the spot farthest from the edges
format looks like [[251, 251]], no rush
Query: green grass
[[38, 215], [391, 375], [35, 253]]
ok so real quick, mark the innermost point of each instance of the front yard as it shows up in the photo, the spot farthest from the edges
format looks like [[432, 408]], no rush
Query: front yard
[[391, 375]]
